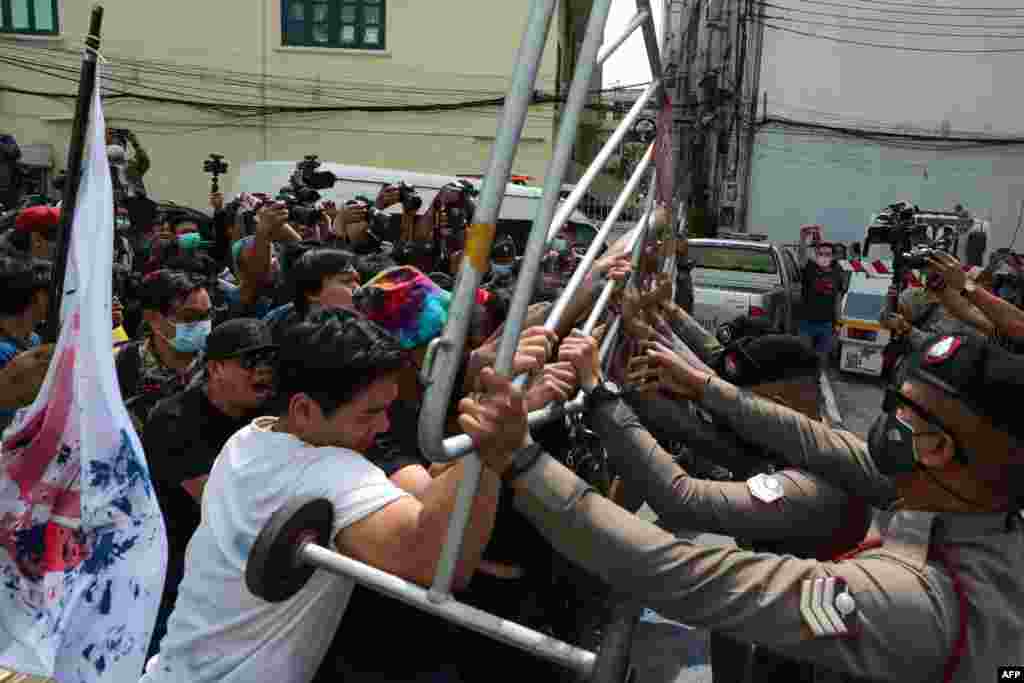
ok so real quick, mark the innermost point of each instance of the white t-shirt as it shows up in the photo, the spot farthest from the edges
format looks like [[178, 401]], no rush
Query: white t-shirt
[[219, 631]]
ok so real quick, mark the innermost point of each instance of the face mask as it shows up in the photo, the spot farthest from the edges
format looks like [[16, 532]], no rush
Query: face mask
[[891, 445], [191, 337], [824, 261], [501, 269], [561, 246]]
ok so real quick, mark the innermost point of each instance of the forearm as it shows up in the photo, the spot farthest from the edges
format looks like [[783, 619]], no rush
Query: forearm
[[809, 508], [838, 456], [700, 341], [755, 597], [438, 500], [1007, 319], [966, 312]]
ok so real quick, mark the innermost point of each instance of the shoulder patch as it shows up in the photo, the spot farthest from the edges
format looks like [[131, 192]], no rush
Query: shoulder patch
[[828, 608], [766, 488], [942, 350]]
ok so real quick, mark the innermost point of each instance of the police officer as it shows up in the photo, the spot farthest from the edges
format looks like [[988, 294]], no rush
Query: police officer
[[938, 598]]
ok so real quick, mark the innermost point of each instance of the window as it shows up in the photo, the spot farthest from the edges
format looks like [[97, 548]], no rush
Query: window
[[734, 258], [353, 24], [38, 17]]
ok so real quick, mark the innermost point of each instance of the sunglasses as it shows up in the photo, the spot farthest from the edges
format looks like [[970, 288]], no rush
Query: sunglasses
[[258, 359]]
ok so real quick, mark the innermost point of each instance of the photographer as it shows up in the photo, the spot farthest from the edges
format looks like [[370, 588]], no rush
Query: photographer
[[127, 172], [10, 172], [361, 226], [258, 264]]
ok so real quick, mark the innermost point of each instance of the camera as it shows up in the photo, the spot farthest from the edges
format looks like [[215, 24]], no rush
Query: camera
[[306, 174], [917, 258], [301, 203], [378, 227], [215, 166], [411, 200]]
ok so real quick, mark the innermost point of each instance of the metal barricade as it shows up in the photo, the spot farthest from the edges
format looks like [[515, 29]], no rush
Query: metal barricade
[[445, 355]]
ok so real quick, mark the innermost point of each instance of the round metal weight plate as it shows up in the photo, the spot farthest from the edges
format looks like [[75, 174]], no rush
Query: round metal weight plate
[[273, 571]]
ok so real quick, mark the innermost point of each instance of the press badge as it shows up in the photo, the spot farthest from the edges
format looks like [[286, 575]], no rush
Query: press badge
[[766, 488], [828, 608]]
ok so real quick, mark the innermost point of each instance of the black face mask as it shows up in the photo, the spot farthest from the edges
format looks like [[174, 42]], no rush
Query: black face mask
[[891, 445]]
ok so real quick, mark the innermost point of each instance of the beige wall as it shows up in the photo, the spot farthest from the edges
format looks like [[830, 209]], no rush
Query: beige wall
[[218, 50]]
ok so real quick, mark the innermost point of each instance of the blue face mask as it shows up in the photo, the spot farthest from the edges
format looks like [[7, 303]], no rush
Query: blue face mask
[[561, 246], [191, 337]]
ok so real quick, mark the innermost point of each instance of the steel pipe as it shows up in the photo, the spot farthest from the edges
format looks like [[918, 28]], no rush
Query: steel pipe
[[539, 644], [584, 266], [635, 23], [572, 201], [445, 355], [651, 39]]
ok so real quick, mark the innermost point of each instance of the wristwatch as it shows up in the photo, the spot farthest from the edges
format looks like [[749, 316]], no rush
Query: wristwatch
[[602, 392], [969, 287], [522, 461]]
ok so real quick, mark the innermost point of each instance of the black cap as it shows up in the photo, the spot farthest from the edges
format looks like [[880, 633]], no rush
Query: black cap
[[771, 358], [983, 376], [237, 337]]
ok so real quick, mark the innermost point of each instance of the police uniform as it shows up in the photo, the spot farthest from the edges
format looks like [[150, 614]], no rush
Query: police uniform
[[939, 599]]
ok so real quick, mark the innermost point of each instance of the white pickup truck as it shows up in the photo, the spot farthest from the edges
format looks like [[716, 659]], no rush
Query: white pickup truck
[[743, 277]]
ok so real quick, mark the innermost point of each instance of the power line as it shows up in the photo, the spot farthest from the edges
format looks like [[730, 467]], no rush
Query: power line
[[885, 21], [954, 8], [884, 46], [908, 12], [976, 140], [853, 27]]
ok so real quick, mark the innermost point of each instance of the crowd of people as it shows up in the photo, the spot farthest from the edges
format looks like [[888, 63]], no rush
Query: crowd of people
[[266, 357]]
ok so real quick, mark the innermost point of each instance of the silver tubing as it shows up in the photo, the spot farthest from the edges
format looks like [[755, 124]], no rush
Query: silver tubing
[[609, 287], [609, 49], [584, 266], [539, 644], [610, 147], [445, 354], [579, 92], [651, 39]]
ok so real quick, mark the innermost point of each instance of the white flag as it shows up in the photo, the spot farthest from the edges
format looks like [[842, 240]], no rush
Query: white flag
[[83, 550]]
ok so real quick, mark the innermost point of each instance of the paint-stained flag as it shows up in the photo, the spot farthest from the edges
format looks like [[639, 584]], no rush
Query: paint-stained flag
[[83, 549]]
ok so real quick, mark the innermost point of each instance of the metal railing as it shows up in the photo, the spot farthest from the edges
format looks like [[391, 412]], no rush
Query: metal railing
[[446, 354]]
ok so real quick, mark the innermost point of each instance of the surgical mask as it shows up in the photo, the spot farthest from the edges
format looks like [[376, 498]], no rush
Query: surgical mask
[[824, 261], [191, 337], [502, 269], [560, 246], [891, 445]]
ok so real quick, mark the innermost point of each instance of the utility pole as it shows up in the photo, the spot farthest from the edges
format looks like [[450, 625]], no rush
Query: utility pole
[[717, 49]]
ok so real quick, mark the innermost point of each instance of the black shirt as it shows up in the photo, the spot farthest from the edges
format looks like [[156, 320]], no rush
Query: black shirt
[[820, 290], [183, 436]]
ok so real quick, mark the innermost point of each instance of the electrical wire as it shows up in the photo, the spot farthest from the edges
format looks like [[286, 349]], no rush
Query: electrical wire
[[904, 48], [871, 29], [935, 140], [890, 12], [893, 3], [886, 21]]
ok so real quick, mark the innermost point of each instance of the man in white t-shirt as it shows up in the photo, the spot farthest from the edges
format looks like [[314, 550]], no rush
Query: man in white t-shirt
[[337, 378]]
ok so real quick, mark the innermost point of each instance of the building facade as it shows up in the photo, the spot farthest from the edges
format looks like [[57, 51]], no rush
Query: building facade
[[405, 84]]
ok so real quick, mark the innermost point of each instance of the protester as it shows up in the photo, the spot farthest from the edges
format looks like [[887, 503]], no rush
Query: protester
[[176, 309], [822, 297], [336, 382], [24, 298]]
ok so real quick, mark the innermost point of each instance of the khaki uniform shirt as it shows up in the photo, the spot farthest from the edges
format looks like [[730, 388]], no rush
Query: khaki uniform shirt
[[906, 615]]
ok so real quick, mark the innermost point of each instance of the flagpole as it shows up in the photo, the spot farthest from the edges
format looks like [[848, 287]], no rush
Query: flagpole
[[76, 151]]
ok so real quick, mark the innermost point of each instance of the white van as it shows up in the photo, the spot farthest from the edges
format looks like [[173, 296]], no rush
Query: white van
[[518, 208]]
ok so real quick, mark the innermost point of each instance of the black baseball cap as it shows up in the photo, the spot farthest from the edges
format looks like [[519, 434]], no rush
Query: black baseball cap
[[238, 337], [980, 374], [771, 358]]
